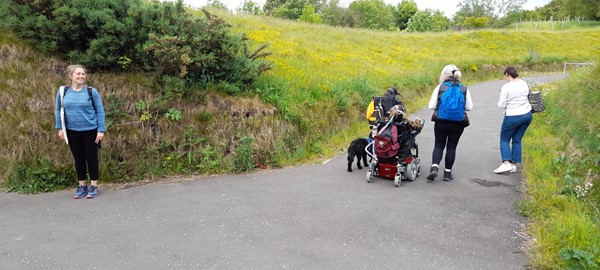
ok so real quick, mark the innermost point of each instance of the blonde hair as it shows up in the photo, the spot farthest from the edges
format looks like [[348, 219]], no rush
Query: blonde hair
[[71, 69], [450, 72]]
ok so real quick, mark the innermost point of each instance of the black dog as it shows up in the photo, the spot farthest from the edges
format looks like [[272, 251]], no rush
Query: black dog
[[357, 148]]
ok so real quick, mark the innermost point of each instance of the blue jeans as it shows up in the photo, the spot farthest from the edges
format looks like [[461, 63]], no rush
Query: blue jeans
[[513, 128]]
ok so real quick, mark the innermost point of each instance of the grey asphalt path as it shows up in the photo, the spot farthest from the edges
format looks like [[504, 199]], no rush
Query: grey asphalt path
[[306, 217]]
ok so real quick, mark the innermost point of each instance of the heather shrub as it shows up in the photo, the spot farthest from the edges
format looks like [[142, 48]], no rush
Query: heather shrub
[[162, 38]]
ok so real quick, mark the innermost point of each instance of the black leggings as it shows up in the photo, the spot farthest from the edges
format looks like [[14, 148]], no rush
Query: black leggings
[[446, 136], [85, 152]]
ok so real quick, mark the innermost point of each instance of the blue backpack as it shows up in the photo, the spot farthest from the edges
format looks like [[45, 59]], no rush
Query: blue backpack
[[452, 103]]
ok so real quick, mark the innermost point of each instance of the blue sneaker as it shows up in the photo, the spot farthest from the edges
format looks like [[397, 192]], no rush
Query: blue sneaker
[[81, 192], [93, 193]]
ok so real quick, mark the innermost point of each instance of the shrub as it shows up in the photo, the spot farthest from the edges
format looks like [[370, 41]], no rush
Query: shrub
[[243, 160], [117, 35], [39, 176]]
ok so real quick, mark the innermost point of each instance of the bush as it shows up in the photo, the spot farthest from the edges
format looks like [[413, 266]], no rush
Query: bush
[[428, 21], [159, 37], [38, 176]]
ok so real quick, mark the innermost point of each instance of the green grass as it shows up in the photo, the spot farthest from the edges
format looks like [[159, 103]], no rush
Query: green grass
[[554, 25], [562, 155]]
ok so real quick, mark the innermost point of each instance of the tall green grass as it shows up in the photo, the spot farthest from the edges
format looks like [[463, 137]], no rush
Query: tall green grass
[[554, 25], [562, 157], [317, 60]]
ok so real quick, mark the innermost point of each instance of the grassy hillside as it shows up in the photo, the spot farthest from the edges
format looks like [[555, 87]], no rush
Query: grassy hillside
[[562, 164], [307, 54], [311, 60], [554, 25], [309, 106]]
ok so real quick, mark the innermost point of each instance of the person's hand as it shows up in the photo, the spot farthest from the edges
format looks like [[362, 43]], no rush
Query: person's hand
[[60, 134], [99, 137]]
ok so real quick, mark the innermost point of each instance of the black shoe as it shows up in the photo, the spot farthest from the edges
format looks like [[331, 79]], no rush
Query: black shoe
[[432, 173], [448, 176]]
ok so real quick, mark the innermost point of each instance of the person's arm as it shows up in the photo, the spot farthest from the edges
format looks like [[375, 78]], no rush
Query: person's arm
[[434, 98], [468, 101], [100, 114], [400, 105], [399, 102], [58, 124], [503, 101]]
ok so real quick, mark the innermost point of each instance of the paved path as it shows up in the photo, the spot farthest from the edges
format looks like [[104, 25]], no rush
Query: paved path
[[306, 217]]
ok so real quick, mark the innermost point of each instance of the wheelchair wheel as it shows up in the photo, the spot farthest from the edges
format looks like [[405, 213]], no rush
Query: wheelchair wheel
[[370, 176], [412, 170], [397, 180]]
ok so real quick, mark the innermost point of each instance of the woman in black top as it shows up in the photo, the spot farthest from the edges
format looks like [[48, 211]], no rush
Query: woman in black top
[[447, 132]]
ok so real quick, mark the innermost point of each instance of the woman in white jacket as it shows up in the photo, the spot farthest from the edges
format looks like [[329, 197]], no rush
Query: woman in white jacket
[[517, 117]]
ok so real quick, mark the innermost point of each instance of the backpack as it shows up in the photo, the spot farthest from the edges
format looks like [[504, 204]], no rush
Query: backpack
[[386, 143], [452, 103], [371, 113], [379, 109]]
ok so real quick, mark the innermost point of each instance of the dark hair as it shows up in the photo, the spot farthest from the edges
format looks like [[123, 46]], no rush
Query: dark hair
[[511, 71], [392, 91]]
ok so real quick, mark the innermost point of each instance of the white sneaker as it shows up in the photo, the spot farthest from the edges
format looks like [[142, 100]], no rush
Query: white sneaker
[[503, 168], [514, 168]]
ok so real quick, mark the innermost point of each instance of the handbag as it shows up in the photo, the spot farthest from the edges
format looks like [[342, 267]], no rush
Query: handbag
[[464, 122], [536, 101], [62, 114]]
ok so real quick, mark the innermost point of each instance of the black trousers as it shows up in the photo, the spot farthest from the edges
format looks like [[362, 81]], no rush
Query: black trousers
[[446, 136], [85, 153]]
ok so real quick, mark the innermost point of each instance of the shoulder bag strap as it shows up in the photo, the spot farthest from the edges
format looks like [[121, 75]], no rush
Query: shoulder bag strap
[[89, 89]]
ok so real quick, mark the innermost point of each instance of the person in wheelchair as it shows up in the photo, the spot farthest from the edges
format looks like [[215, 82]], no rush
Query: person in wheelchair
[[380, 107], [393, 143], [389, 106]]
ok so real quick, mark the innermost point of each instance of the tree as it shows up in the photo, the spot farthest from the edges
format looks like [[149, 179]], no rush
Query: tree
[[373, 14], [216, 4], [503, 7], [439, 21], [271, 5], [474, 8], [551, 10], [472, 13], [291, 9], [558, 9], [488, 8], [250, 7], [335, 15], [309, 15], [403, 12], [332, 13], [477, 22], [428, 21], [588, 9]]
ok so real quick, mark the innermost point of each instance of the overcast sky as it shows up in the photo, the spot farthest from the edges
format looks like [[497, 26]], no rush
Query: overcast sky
[[446, 6]]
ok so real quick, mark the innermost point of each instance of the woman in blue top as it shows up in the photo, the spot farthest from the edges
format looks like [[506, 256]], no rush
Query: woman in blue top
[[84, 126]]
